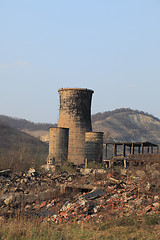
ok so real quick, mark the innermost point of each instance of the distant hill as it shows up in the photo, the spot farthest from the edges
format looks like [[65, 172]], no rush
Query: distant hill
[[19, 150], [127, 125], [103, 115], [24, 124], [34, 129], [122, 124]]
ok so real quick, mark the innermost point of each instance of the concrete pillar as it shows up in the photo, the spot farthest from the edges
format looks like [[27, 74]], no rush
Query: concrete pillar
[[132, 148], [142, 148], [115, 149], [105, 151], [86, 163], [124, 149], [151, 149], [125, 163], [110, 164]]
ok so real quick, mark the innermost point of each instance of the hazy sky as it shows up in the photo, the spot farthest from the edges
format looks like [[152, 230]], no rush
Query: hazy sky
[[110, 46]]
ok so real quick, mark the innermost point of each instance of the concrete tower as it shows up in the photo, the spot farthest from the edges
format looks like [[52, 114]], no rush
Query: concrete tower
[[58, 144], [94, 146], [75, 114]]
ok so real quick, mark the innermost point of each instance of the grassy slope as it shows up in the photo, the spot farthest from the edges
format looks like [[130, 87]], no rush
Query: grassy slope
[[19, 150]]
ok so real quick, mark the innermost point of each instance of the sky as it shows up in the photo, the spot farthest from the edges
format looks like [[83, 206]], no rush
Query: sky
[[110, 46]]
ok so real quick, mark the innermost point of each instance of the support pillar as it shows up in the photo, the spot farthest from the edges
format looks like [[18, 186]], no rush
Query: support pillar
[[142, 148], [106, 151], [151, 149], [124, 149], [86, 163], [115, 149], [125, 163], [132, 148]]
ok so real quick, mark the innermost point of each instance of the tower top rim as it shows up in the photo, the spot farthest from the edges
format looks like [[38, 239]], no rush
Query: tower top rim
[[75, 89]]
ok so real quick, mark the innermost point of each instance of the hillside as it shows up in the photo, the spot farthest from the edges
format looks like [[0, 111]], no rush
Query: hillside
[[24, 124], [103, 115], [19, 150], [34, 129], [119, 125], [127, 125]]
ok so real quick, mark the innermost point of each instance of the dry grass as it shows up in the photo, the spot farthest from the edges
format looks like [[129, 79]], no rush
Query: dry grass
[[146, 227], [23, 157]]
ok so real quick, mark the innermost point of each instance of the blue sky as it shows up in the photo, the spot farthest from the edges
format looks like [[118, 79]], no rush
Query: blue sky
[[112, 47]]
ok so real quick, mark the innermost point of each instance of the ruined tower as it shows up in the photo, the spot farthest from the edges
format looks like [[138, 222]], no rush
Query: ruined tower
[[58, 145], [94, 146], [75, 114]]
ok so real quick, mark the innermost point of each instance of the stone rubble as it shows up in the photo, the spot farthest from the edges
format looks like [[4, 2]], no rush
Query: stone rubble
[[65, 197]]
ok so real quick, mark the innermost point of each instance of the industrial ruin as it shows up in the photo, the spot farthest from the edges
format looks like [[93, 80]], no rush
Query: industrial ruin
[[84, 193], [73, 138]]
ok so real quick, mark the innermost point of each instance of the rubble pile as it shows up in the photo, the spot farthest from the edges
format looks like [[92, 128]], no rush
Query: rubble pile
[[22, 188], [81, 196]]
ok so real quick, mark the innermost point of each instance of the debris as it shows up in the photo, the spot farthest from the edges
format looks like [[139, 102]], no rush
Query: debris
[[94, 194], [5, 173], [84, 196]]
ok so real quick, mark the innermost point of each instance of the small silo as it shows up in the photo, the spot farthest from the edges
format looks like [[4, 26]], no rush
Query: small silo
[[75, 114], [94, 146], [58, 144]]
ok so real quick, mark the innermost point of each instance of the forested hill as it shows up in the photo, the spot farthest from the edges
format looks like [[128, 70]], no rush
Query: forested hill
[[24, 124], [34, 129]]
